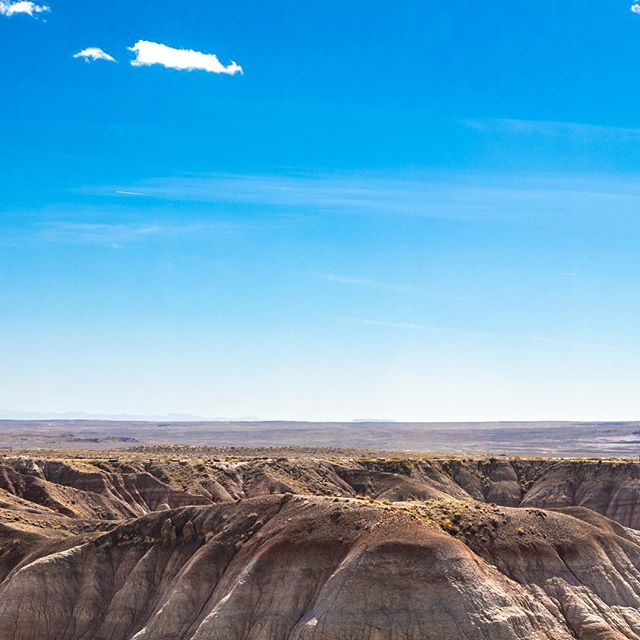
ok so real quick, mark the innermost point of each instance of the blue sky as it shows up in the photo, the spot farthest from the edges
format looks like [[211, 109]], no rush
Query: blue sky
[[412, 211]]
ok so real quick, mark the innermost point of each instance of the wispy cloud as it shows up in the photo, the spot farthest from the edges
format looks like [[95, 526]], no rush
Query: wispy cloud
[[91, 54], [390, 287], [635, 8], [540, 200], [116, 234], [553, 128], [438, 329], [368, 283], [99, 232], [405, 326], [137, 194], [327, 191], [26, 8], [535, 198], [150, 53]]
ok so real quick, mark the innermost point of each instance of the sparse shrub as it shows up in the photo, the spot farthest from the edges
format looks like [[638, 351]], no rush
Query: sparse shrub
[[401, 466]]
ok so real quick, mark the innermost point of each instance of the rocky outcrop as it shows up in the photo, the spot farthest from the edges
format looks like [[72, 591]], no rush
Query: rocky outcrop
[[269, 568], [318, 549], [286, 567], [113, 489]]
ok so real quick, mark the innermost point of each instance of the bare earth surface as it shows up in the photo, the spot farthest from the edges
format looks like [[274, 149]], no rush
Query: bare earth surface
[[519, 438], [198, 543]]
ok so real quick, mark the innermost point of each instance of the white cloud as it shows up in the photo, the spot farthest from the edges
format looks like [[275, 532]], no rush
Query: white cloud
[[635, 8], [90, 54], [149, 53], [131, 193], [28, 8]]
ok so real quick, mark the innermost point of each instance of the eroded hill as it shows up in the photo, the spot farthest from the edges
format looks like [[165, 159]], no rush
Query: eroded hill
[[184, 544]]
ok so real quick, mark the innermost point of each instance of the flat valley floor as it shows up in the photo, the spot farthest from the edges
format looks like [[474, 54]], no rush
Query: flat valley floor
[[490, 438]]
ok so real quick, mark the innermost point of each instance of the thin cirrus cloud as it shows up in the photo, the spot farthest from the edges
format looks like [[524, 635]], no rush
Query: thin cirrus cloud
[[390, 287], [152, 53], [25, 8], [119, 233], [469, 333], [555, 129], [92, 54], [137, 194], [368, 283], [540, 199], [407, 326]]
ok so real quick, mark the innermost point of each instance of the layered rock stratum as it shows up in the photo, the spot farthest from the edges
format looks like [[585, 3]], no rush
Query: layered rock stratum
[[189, 544]]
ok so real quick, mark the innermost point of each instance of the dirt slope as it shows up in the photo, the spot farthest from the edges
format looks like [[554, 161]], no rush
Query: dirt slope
[[190, 547]]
